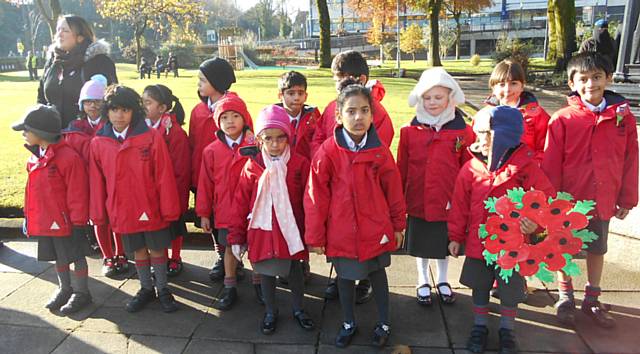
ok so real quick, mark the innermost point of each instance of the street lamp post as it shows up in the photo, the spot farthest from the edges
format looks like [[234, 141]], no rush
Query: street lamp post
[[398, 36]]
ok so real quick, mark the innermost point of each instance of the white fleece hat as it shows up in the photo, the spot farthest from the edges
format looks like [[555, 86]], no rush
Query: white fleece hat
[[429, 79]]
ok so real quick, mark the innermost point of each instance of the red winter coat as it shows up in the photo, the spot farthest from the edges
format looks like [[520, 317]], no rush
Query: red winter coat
[[180, 154], [429, 162], [593, 156], [202, 132], [305, 129], [57, 192], [79, 134], [354, 200], [264, 245], [475, 184], [219, 174], [135, 188], [535, 122], [381, 120]]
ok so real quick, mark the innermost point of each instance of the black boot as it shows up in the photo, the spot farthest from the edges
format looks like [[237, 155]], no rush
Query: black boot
[[477, 342], [58, 299], [140, 300], [76, 302], [167, 301], [226, 301]]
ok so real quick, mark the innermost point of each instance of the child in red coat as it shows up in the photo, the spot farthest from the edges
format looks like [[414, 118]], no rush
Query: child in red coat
[[166, 115], [78, 135], [215, 78], [432, 149], [55, 206], [592, 153], [499, 163], [507, 88], [351, 64], [221, 167], [135, 191], [269, 217], [354, 208]]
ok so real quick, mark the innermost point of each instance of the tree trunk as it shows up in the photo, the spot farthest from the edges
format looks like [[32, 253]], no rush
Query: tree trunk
[[325, 34], [456, 17], [552, 54], [565, 31], [413, 55], [434, 42], [51, 19]]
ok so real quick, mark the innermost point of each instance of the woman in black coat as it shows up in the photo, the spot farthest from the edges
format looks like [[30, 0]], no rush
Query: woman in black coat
[[73, 58]]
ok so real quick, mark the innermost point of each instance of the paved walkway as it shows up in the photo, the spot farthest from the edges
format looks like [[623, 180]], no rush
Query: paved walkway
[[105, 327]]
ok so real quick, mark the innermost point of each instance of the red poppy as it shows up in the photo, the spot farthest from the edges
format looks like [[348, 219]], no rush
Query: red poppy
[[557, 209], [510, 258], [534, 204], [571, 221], [507, 209], [554, 260], [531, 264], [503, 242], [499, 226], [563, 241]]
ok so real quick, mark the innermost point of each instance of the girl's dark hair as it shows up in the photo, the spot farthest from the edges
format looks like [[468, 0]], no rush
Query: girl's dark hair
[[80, 27], [118, 96], [349, 87], [163, 95]]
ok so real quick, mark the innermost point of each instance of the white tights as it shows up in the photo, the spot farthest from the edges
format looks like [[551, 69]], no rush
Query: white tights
[[442, 266]]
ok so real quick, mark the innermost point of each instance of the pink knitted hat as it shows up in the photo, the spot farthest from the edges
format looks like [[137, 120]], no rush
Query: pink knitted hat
[[93, 89], [274, 117]]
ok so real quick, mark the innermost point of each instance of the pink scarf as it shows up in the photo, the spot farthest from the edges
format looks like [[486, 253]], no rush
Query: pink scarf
[[274, 194]]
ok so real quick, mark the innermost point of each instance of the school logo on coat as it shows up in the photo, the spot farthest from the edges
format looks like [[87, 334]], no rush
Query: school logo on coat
[[384, 239], [144, 217], [145, 153], [55, 226]]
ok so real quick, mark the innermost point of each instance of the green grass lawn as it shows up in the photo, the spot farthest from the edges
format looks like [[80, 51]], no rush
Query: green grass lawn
[[257, 88]]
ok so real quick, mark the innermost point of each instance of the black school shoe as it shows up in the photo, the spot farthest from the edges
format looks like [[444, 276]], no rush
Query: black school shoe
[[364, 293], [58, 299], [122, 264], [599, 313], [226, 301], [140, 300], [381, 334], [217, 272], [508, 344], [109, 267], [304, 321], [174, 267], [269, 323], [76, 302], [477, 341], [167, 301], [347, 331]]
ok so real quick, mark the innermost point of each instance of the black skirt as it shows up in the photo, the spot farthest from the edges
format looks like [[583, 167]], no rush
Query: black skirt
[[427, 239], [64, 249], [178, 228], [153, 240]]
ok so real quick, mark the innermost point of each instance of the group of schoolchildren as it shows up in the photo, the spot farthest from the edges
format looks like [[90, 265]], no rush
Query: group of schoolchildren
[[295, 181]]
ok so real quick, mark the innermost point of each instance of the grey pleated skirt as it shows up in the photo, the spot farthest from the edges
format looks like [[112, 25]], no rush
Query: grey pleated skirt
[[352, 269], [64, 249], [153, 240], [273, 267]]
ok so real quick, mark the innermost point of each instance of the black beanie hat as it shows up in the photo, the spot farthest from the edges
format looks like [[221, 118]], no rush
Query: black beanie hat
[[219, 73], [43, 121]]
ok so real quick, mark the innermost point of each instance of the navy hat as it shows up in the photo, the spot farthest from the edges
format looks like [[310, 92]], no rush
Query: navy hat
[[219, 73], [602, 23], [507, 125], [43, 121]]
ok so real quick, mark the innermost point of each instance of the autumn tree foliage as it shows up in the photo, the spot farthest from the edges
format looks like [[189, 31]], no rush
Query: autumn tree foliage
[[459, 7], [411, 40]]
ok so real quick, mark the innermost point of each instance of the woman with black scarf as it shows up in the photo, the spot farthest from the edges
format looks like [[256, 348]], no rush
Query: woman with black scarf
[[73, 59]]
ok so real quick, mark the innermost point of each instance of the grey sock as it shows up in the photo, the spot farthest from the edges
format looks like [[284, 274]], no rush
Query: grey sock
[[507, 317], [64, 278], [296, 285], [81, 275], [144, 273], [346, 289], [268, 285], [160, 271], [480, 300], [380, 286]]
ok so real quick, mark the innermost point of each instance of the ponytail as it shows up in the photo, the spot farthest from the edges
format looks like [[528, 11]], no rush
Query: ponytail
[[163, 95], [178, 110]]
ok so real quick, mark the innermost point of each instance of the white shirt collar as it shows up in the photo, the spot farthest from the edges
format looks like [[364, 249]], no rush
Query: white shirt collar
[[94, 123], [599, 108], [122, 135], [291, 118], [230, 141], [351, 144], [153, 125], [212, 105], [43, 151]]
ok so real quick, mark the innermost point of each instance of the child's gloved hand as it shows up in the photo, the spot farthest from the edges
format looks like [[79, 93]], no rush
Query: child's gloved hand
[[527, 226], [238, 251], [317, 250], [454, 248], [205, 223], [399, 239]]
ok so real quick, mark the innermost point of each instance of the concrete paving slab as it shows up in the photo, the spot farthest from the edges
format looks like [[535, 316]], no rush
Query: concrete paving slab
[[198, 346], [19, 339], [616, 277], [12, 281], [149, 321], [156, 344], [20, 256], [90, 342], [537, 327], [411, 324], [247, 315], [284, 349]]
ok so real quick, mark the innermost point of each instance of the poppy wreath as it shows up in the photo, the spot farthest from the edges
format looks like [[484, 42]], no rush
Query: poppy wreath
[[562, 235]]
